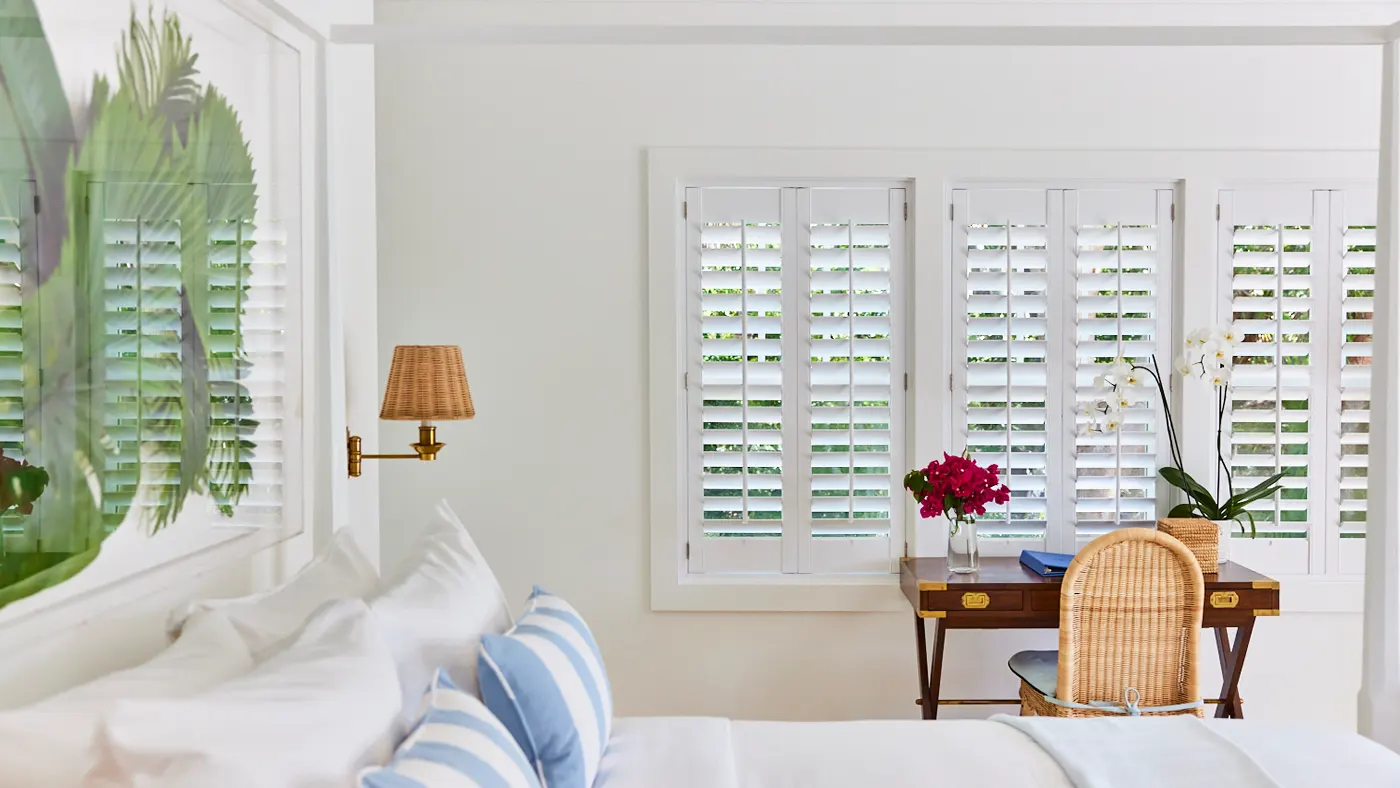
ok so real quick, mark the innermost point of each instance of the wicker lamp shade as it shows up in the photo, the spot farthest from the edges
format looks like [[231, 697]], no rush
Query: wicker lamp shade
[[427, 383]]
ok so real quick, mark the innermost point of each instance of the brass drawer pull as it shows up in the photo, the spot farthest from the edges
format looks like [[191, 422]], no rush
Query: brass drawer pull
[[1224, 599], [975, 600]]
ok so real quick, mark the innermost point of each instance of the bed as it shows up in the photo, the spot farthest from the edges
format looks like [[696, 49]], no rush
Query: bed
[[697, 752]]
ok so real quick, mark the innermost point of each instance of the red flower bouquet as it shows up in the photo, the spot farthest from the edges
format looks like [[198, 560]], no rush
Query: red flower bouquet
[[956, 487]]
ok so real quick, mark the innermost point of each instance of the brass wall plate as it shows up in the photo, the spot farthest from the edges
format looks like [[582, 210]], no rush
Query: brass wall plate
[[933, 614], [975, 600], [1224, 599]]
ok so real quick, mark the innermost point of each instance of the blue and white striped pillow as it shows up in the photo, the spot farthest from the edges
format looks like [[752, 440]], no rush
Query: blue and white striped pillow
[[544, 679], [457, 743]]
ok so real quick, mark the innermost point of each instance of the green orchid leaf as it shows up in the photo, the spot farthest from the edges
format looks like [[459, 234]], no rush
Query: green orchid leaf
[[1205, 502], [1183, 510]]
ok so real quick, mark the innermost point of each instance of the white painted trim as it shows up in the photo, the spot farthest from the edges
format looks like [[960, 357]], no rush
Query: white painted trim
[[796, 34], [953, 22], [930, 175], [1378, 705]]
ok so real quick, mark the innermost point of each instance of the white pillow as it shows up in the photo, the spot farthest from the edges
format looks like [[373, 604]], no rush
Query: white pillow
[[267, 620], [50, 743], [444, 600], [311, 716]]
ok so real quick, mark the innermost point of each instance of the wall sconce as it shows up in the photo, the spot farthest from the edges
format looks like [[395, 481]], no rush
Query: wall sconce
[[426, 383]]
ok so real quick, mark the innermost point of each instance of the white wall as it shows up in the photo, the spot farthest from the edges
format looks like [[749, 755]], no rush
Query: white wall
[[512, 222]]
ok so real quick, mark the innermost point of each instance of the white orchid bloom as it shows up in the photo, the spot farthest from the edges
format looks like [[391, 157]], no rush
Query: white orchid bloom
[[1220, 377], [1132, 379], [1183, 367], [1121, 371], [1112, 422], [1198, 337], [1101, 383], [1218, 353], [1226, 335], [1121, 402]]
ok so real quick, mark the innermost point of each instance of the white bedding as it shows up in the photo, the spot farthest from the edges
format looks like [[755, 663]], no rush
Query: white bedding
[[701, 752]]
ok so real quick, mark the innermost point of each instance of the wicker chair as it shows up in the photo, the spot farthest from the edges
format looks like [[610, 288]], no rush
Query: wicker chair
[[1130, 619]]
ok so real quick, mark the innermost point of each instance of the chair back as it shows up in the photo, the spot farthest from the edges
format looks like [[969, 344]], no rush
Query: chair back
[[1130, 616]]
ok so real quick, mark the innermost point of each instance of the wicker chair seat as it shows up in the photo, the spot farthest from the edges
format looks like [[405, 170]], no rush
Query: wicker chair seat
[[1039, 669]]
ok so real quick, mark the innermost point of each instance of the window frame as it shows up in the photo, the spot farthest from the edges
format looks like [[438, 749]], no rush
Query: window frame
[[929, 177]]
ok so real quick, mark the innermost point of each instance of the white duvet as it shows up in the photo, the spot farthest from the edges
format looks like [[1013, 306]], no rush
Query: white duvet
[[702, 752]]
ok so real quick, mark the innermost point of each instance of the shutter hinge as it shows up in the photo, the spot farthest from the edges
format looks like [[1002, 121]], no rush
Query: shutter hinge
[[950, 212], [906, 212], [906, 381], [36, 204], [950, 381], [1173, 211], [685, 381], [1217, 212], [685, 210], [687, 551]]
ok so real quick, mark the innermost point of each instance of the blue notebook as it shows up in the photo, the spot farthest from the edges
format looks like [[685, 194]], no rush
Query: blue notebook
[[1046, 564]]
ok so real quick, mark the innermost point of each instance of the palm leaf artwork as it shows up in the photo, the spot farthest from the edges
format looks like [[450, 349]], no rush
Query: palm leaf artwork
[[141, 401]]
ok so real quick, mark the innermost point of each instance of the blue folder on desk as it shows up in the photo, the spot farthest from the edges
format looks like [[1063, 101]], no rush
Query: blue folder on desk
[[1046, 564]]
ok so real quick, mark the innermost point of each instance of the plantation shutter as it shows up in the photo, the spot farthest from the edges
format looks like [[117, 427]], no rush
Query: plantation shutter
[[855, 237], [1353, 219], [1002, 246], [1274, 242], [248, 389], [794, 348], [140, 370], [143, 370], [744, 402], [19, 398], [1121, 242]]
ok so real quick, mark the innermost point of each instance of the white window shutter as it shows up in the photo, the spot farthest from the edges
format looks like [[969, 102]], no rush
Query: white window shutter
[[736, 250], [1120, 244], [1003, 243], [143, 365], [855, 239], [1352, 271], [1274, 245], [795, 444], [18, 397]]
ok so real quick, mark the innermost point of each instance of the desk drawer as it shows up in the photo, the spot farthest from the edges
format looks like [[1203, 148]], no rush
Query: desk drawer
[[973, 600]]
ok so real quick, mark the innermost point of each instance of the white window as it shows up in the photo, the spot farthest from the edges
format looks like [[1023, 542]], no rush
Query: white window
[[794, 379], [1053, 285], [147, 361], [1297, 266]]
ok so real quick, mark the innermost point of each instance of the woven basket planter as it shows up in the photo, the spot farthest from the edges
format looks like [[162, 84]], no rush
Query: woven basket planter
[[1200, 536]]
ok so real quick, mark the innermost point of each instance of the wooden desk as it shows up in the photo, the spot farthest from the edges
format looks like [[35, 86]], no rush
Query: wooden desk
[[1002, 594]]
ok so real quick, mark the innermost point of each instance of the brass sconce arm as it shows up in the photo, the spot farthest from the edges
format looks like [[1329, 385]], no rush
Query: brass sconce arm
[[426, 449]]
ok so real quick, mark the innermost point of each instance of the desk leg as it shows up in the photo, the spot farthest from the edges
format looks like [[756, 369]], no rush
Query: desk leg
[[1231, 666], [921, 637], [930, 671], [935, 681]]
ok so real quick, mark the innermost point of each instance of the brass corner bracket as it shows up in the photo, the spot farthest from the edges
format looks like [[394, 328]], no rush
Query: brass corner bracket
[[426, 449]]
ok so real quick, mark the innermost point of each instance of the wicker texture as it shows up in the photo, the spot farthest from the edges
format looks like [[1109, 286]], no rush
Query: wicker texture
[[427, 382], [1130, 616], [1200, 536]]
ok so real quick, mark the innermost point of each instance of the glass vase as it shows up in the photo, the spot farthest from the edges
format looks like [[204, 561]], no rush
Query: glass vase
[[962, 546]]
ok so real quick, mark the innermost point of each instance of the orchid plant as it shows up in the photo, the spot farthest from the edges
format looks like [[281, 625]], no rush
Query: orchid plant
[[1208, 355]]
